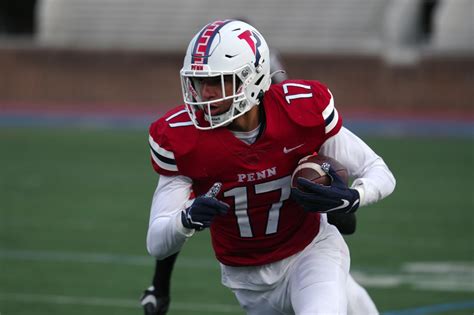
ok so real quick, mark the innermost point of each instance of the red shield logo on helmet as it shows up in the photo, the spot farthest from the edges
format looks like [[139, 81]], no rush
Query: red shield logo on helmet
[[249, 37]]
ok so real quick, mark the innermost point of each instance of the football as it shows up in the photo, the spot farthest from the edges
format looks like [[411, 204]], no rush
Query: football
[[309, 167]]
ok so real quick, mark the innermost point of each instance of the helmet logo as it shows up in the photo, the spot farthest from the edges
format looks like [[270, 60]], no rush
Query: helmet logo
[[254, 42], [204, 40]]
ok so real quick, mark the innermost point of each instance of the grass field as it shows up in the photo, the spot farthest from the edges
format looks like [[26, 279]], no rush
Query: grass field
[[74, 213]]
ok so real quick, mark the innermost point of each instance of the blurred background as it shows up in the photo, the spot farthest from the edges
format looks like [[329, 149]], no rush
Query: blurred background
[[81, 80]]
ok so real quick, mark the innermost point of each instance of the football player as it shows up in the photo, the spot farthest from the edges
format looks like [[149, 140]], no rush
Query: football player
[[155, 299], [234, 143]]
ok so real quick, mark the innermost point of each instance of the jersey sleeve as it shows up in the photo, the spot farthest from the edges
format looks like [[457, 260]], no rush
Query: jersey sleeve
[[162, 155], [331, 117], [324, 109], [310, 104]]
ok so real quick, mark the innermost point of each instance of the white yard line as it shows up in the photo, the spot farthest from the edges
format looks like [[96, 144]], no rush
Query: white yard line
[[112, 302], [433, 276], [448, 276], [101, 258]]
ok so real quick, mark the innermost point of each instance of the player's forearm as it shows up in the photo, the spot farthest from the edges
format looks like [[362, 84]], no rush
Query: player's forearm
[[376, 183], [166, 236], [372, 177]]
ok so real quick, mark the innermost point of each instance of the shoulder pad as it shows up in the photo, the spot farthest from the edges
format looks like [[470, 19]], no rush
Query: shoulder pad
[[307, 103], [166, 140]]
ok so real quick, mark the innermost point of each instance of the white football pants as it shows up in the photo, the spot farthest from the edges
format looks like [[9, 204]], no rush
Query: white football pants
[[315, 282], [359, 301]]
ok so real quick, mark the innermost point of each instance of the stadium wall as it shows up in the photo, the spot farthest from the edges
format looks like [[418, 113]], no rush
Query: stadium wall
[[134, 81]]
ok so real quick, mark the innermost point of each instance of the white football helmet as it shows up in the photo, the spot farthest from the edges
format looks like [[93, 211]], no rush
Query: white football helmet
[[228, 49]]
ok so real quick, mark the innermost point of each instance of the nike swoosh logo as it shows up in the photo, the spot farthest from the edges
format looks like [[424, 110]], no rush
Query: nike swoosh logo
[[345, 203], [354, 204], [286, 151]]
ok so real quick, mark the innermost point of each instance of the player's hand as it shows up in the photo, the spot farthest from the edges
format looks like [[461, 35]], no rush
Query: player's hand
[[336, 198], [203, 210]]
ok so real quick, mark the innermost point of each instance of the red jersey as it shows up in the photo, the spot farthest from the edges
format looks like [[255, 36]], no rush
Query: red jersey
[[263, 224]]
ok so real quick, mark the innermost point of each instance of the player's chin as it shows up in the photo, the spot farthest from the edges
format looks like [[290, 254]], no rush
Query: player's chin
[[217, 109]]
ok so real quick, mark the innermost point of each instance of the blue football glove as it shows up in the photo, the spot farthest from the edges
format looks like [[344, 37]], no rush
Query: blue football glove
[[203, 210], [337, 198]]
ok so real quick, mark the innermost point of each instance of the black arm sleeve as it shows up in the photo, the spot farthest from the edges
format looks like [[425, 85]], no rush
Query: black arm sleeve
[[162, 276]]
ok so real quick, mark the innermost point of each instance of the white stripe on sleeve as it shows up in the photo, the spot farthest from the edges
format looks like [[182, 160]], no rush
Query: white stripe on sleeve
[[330, 115], [163, 158]]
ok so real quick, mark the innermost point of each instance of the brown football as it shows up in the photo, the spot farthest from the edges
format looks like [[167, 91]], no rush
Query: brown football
[[309, 167]]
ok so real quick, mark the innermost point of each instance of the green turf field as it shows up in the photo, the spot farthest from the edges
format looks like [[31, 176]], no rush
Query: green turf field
[[74, 213]]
